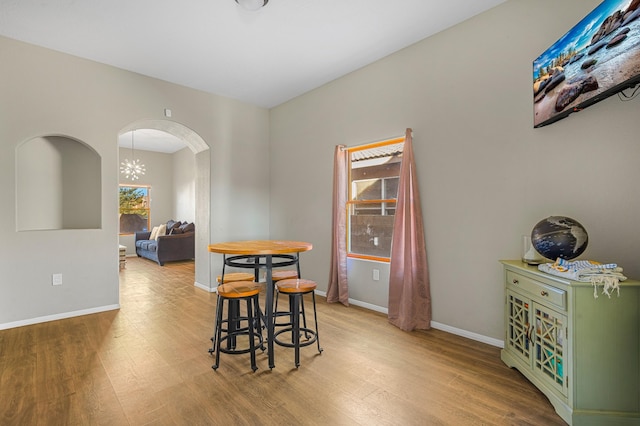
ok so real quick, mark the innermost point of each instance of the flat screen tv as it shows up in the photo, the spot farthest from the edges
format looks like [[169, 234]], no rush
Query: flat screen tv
[[597, 58]]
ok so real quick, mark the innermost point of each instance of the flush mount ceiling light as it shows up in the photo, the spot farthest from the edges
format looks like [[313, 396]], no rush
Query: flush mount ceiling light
[[132, 169], [252, 5]]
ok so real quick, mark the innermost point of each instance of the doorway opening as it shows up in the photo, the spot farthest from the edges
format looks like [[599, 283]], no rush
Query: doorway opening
[[199, 180]]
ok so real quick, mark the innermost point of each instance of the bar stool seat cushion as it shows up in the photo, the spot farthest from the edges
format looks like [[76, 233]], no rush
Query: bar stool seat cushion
[[297, 285], [284, 275], [239, 289], [236, 276]]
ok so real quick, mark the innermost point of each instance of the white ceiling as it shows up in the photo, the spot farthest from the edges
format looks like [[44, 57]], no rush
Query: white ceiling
[[264, 58]]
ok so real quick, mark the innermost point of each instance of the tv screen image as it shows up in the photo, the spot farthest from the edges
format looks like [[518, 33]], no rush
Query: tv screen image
[[597, 58]]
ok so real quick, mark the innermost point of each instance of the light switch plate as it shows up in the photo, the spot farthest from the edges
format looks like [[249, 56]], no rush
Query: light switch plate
[[56, 279]]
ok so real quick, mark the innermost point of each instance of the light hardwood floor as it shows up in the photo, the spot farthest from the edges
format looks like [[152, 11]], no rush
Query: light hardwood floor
[[147, 364]]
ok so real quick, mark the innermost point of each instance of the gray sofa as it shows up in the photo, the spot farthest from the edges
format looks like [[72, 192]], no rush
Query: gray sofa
[[177, 243]]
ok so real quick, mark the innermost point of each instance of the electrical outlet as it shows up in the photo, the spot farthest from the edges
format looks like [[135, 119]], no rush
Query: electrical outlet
[[376, 275], [56, 279]]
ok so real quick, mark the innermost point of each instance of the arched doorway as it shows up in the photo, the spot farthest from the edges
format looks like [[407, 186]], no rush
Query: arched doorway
[[200, 149]]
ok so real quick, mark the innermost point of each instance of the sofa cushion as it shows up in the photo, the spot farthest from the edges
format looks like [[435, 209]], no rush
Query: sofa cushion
[[176, 230], [187, 227], [154, 232], [139, 243], [171, 225], [153, 246], [162, 230]]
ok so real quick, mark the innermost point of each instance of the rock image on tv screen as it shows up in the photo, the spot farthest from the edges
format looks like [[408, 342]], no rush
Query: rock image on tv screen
[[597, 58]]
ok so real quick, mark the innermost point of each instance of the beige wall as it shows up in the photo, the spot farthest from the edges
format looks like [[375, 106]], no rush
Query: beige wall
[[486, 176], [43, 92], [184, 185]]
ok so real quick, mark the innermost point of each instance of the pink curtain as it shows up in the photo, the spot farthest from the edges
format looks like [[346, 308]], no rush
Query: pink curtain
[[338, 290], [409, 293]]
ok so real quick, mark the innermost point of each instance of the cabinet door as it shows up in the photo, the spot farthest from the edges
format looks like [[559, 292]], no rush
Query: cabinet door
[[549, 339], [518, 326]]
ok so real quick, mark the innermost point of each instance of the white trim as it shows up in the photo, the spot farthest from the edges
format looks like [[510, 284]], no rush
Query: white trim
[[355, 302], [56, 317], [438, 326], [204, 287], [468, 334], [369, 306]]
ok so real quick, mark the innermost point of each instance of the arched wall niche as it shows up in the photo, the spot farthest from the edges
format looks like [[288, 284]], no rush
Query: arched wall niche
[[58, 184]]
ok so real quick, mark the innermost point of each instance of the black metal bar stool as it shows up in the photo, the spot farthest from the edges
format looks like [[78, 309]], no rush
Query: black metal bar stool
[[285, 274], [227, 330], [233, 304], [280, 275], [296, 289]]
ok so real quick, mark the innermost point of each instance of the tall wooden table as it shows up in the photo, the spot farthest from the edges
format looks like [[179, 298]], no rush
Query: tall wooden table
[[257, 255]]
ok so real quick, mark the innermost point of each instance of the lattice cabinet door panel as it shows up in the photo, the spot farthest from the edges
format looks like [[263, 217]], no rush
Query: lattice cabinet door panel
[[519, 325], [550, 334]]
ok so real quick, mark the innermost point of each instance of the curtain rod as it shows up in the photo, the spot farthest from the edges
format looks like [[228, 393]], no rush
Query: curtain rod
[[348, 148]]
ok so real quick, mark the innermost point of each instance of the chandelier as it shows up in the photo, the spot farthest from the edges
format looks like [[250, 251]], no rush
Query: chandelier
[[252, 5], [132, 169]]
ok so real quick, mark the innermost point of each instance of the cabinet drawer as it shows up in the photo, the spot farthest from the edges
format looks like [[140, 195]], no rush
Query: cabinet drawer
[[537, 289]]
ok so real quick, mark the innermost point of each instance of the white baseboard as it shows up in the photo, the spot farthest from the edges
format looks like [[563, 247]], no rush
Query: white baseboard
[[438, 326], [355, 302], [468, 334], [204, 287], [55, 317]]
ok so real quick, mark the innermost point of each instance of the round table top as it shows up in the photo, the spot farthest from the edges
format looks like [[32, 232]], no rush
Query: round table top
[[260, 247]]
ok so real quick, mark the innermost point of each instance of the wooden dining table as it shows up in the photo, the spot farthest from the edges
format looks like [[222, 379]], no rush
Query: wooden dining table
[[262, 255]]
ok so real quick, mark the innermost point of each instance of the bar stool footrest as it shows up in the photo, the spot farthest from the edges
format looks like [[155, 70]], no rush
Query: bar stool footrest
[[257, 342], [303, 330]]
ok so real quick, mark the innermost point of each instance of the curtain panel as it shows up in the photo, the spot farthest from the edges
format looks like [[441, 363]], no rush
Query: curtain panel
[[338, 290], [409, 292]]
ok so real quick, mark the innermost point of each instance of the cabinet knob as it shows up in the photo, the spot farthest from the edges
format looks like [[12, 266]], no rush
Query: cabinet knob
[[515, 281], [544, 293]]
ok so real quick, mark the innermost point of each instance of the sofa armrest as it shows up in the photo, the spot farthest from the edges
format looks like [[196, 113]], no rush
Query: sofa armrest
[[142, 235], [176, 246]]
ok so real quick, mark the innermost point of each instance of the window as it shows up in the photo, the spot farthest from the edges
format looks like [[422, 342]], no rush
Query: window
[[134, 209], [374, 171]]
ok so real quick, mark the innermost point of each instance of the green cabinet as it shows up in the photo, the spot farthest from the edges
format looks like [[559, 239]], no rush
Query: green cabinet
[[582, 352]]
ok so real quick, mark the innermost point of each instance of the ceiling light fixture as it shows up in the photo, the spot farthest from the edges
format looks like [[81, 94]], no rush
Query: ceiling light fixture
[[132, 169], [252, 5]]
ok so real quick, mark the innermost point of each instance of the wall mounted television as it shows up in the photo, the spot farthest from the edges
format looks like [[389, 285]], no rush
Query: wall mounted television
[[597, 58]]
